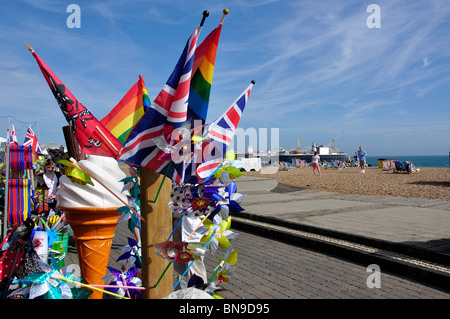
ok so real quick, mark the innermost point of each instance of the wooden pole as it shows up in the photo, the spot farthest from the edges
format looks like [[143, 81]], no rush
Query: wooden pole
[[73, 148], [156, 228]]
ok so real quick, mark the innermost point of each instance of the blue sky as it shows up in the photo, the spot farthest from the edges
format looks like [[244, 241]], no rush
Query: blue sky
[[320, 71]]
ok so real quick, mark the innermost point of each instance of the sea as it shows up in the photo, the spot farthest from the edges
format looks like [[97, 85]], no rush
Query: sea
[[418, 161]]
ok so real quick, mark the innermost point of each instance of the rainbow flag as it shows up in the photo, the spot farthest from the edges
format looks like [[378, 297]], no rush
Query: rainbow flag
[[202, 70], [125, 115]]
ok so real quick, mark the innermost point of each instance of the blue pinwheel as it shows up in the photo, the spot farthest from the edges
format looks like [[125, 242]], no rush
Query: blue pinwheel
[[131, 250]]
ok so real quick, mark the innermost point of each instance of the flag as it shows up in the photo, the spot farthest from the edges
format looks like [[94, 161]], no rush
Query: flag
[[202, 70], [13, 136], [93, 137], [121, 120], [168, 111], [31, 139], [220, 134]]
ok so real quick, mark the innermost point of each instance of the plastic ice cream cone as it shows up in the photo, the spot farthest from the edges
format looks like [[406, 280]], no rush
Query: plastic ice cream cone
[[93, 231]]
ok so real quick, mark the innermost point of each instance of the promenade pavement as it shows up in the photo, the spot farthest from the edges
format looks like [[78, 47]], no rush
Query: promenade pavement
[[416, 222]]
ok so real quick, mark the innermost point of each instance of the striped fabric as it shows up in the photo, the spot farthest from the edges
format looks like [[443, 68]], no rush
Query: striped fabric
[[127, 113], [169, 109], [221, 133], [20, 202], [21, 157]]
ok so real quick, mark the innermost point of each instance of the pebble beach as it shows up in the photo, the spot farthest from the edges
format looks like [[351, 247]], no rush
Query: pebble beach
[[432, 183]]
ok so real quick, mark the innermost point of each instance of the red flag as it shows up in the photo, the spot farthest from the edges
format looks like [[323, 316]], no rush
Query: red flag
[[92, 135]]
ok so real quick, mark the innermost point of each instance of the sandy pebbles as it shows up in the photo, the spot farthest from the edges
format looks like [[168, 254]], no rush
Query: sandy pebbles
[[431, 183]]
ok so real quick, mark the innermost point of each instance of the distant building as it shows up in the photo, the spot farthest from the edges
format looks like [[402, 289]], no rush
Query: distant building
[[52, 146]]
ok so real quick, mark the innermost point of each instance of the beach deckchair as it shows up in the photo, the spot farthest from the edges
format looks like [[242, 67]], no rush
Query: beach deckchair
[[296, 163], [399, 167], [410, 168], [20, 201], [405, 167], [299, 163], [386, 166], [283, 166], [289, 165]]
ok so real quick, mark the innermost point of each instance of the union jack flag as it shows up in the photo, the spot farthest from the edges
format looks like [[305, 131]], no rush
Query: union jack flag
[[220, 133], [31, 139], [169, 109]]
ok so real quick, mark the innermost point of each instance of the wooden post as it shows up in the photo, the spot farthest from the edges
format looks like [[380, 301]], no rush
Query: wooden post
[[156, 228], [73, 148]]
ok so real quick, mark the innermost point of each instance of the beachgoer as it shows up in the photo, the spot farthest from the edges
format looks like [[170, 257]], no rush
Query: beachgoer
[[315, 163], [49, 182], [362, 159]]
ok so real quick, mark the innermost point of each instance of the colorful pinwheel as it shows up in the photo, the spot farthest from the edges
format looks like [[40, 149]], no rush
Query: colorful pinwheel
[[76, 174], [124, 278], [175, 143], [221, 234], [51, 283], [180, 252], [131, 250], [222, 273]]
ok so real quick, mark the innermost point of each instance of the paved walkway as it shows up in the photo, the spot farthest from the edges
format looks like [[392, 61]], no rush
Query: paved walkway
[[416, 222], [420, 223]]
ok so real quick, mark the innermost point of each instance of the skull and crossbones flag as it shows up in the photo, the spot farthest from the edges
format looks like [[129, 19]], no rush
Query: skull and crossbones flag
[[92, 135]]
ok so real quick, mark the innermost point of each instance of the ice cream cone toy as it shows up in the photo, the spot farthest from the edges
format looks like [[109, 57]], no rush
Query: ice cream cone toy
[[93, 231], [114, 194], [92, 213]]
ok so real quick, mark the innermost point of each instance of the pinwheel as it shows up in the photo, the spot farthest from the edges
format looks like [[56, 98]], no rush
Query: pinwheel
[[175, 143], [75, 173], [133, 207], [194, 201], [180, 197], [231, 171], [223, 271], [219, 233], [231, 200], [180, 252], [125, 280], [51, 283], [131, 250]]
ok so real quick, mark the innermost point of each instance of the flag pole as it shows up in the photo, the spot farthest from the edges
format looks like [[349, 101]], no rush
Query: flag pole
[[107, 139], [225, 12], [8, 154], [205, 15], [29, 48]]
